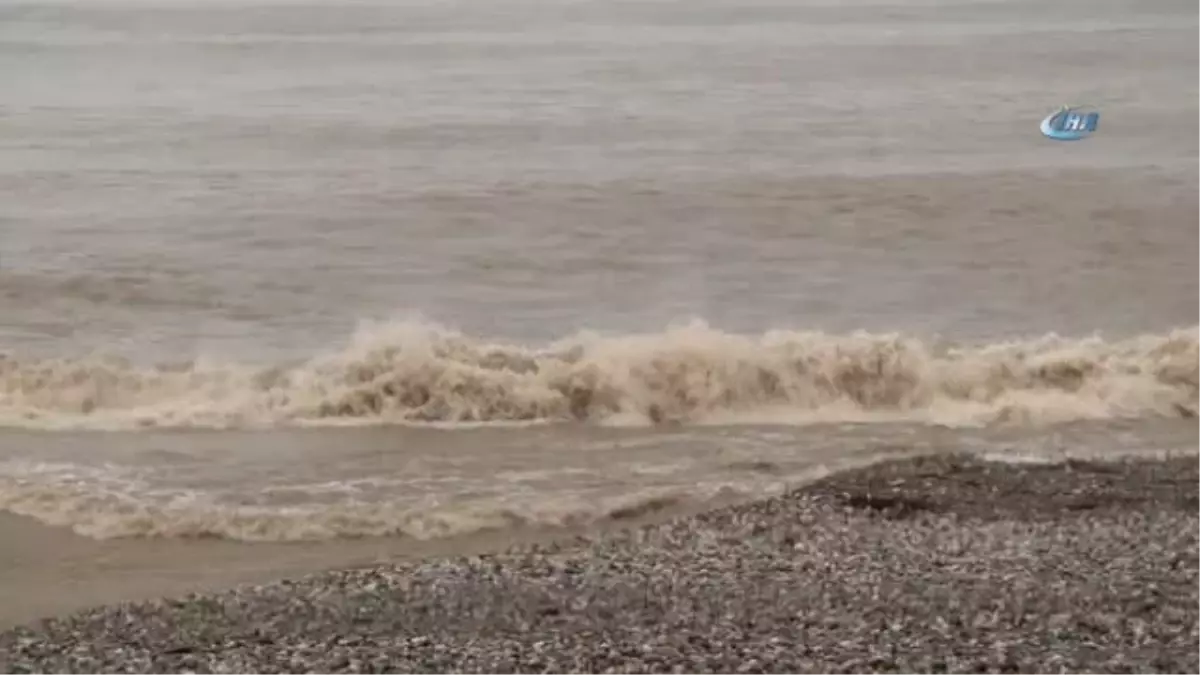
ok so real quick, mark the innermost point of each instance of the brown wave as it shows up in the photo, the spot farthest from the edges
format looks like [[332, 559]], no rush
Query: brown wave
[[413, 373], [101, 511]]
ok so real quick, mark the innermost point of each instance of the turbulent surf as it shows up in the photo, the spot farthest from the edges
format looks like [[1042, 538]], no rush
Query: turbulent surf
[[414, 373]]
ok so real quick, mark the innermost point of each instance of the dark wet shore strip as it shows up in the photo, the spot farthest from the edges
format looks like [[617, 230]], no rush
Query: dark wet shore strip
[[928, 565]]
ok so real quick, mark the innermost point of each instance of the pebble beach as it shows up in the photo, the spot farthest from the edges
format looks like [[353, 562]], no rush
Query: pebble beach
[[936, 564]]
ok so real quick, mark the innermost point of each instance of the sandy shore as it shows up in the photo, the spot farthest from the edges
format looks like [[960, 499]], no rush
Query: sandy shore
[[944, 564], [55, 571]]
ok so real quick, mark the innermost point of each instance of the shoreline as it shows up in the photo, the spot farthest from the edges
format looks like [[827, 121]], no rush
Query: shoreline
[[925, 564], [102, 572], [131, 569]]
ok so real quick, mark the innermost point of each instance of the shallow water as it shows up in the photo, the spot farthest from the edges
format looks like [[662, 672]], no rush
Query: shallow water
[[278, 272]]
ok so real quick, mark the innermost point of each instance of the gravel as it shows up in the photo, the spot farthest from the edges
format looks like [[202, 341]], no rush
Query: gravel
[[929, 565]]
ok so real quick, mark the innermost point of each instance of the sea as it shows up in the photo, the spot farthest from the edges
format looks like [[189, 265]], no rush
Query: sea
[[284, 277]]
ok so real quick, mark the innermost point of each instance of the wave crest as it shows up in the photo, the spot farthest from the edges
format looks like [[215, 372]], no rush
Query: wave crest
[[415, 372]]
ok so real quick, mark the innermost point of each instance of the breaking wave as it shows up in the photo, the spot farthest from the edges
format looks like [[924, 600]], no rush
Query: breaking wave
[[416, 372]]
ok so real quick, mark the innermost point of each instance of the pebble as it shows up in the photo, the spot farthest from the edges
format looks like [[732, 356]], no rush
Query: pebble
[[936, 564]]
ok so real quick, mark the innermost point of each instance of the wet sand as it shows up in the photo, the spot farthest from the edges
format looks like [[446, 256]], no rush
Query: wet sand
[[939, 564], [54, 571]]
